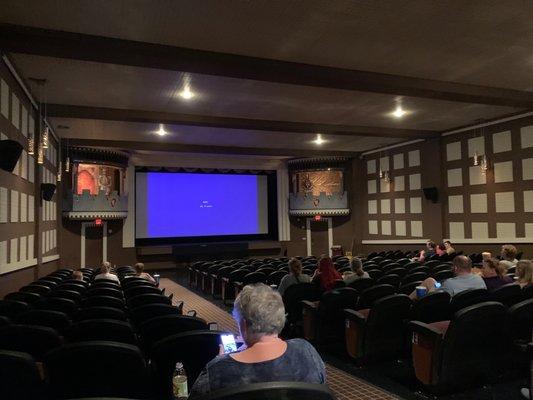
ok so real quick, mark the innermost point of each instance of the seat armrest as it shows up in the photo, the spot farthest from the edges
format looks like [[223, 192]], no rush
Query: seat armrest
[[354, 315], [424, 329], [310, 305], [238, 284]]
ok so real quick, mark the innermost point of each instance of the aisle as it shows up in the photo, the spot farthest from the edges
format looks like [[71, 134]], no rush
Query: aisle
[[345, 386]]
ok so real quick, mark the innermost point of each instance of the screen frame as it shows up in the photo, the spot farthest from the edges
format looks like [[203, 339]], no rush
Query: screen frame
[[272, 207]]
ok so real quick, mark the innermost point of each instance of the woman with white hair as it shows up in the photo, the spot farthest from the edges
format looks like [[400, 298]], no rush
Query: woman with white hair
[[260, 315]]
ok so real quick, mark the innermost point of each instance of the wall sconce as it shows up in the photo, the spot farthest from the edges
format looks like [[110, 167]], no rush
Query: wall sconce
[[476, 158], [40, 153], [484, 164], [45, 137]]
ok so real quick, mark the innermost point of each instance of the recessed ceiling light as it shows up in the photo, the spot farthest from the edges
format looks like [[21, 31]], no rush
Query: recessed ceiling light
[[186, 93], [399, 112], [161, 131], [319, 139]]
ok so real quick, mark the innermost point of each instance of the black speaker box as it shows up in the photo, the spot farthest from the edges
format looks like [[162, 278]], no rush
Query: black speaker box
[[10, 152], [431, 193], [47, 191]]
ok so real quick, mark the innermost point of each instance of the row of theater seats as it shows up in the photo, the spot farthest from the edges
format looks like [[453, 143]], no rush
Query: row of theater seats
[[61, 338], [225, 278]]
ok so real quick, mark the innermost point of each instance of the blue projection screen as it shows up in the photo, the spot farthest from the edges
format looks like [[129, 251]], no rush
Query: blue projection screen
[[193, 205]]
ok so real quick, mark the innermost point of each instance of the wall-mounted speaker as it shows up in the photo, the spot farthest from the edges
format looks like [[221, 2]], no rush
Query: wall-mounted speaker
[[431, 193], [47, 191], [10, 152]]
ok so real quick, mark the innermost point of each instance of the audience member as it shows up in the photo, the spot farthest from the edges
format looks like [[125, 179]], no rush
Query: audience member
[[508, 255], [524, 273], [449, 248], [464, 279], [105, 272], [493, 274], [356, 272], [440, 250], [294, 276], [260, 315], [430, 251], [326, 274], [486, 255], [139, 269], [77, 275]]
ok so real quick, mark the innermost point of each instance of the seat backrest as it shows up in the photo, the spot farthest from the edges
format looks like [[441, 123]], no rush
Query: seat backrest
[[407, 288], [104, 291], [238, 275], [36, 288], [374, 273], [51, 319], [141, 289], [275, 277], [433, 307], [273, 390], [362, 284], [148, 311], [254, 277], [75, 286], [413, 277], [66, 294], [370, 295], [333, 302], [34, 340], [19, 377], [293, 297], [150, 298], [60, 304], [521, 320], [385, 326], [472, 344], [105, 283], [507, 294], [527, 292], [158, 328], [443, 275], [97, 369], [100, 312], [25, 297], [12, 308], [101, 329], [467, 298], [193, 349], [103, 301], [389, 279]]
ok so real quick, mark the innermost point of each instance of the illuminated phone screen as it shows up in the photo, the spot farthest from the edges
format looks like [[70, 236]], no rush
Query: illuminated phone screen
[[228, 341]]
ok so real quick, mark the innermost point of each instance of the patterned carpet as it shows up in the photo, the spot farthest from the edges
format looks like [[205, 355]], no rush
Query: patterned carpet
[[345, 386]]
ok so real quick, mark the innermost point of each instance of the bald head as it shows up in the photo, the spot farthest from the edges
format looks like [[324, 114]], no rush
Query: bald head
[[462, 264]]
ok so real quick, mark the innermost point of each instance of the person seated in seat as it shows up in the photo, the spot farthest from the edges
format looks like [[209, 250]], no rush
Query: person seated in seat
[[105, 273], [524, 273], [441, 250], [294, 277], [463, 280], [430, 250], [508, 255], [494, 275], [139, 271], [77, 275], [356, 272], [260, 315], [326, 274], [448, 247]]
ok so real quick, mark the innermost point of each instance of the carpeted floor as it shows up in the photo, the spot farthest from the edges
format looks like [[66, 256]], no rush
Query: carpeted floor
[[344, 385]]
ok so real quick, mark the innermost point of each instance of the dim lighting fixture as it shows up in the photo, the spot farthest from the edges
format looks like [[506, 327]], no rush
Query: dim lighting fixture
[[67, 164], [59, 171], [319, 139], [380, 173], [46, 133], [399, 112], [484, 164], [31, 145], [161, 131], [476, 158], [386, 177], [40, 153]]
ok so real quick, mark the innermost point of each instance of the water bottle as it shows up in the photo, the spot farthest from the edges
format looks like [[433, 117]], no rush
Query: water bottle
[[179, 383]]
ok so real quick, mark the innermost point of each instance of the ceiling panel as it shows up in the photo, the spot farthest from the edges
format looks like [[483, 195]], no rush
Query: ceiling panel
[[131, 131], [108, 85], [486, 42]]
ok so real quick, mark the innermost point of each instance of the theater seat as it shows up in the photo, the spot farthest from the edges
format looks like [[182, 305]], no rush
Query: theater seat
[[467, 298], [434, 306], [144, 299], [521, 321], [292, 299], [100, 312], [25, 297], [97, 369], [144, 313], [158, 328], [19, 377], [101, 329], [51, 319], [103, 301], [362, 284], [34, 340], [377, 333], [370, 295], [12, 308], [465, 352], [507, 294], [193, 349], [325, 319], [141, 289], [272, 391]]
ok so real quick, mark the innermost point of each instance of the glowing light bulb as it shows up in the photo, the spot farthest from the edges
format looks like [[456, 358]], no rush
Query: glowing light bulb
[[399, 112], [161, 131], [476, 158], [186, 93], [319, 139]]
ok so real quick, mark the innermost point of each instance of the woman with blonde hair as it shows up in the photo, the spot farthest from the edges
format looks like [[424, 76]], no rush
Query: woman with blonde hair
[[356, 272], [524, 273], [294, 276]]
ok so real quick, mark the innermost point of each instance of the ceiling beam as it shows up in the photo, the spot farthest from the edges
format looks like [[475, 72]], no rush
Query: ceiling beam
[[157, 117], [193, 148], [36, 41]]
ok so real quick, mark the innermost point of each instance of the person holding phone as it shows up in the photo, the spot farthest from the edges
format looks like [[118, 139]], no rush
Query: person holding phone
[[265, 357]]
